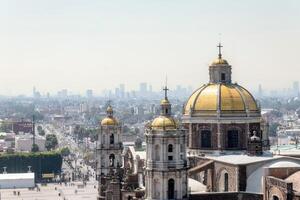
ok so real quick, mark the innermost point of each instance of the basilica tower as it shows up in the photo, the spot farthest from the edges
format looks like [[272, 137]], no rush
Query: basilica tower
[[109, 150], [166, 162]]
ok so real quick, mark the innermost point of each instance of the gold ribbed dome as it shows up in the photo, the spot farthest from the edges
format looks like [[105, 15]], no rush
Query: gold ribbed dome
[[164, 122], [219, 61], [109, 121], [218, 97]]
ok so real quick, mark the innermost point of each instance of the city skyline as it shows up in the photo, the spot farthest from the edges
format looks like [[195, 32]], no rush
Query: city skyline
[[99, 44]]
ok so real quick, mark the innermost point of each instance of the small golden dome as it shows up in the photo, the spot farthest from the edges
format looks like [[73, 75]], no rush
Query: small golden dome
[[219, 61], [109, 121], [164, 122], [226, 98], [164, 102]]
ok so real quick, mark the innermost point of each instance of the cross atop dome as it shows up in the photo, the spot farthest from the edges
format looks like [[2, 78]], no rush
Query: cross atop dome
[[166, 92], [220, 50]]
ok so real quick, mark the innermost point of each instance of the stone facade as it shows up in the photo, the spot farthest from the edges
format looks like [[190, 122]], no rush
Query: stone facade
[[166, 161], [109, 154]]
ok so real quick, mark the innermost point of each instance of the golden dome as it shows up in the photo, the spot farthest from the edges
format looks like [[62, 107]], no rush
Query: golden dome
[[164, 122], [219, 61], [109, 121], [164, 102], [218, 97]]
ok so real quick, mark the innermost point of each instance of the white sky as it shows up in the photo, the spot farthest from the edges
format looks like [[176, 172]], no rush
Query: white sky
[[98, 44]]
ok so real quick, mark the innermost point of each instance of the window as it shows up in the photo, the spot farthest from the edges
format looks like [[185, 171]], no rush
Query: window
[[170, 148], [223, 77], [112, 139], [157, 152], [205, 139], [226, 182], [170, 158], [232, 139], [275, 197]]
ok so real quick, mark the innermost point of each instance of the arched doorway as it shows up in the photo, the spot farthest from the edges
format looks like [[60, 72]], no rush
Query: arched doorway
[[171, 189]]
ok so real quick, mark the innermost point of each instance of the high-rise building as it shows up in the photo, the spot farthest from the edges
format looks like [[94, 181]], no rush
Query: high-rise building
[[260, 91], [296, 88], [89, 94], [122, 90], [143, 89]]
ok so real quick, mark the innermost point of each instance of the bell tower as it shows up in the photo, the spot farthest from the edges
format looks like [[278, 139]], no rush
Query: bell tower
[[166, 161], [109, 151]]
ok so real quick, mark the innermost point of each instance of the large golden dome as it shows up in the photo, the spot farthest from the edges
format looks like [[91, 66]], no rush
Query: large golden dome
[[220, 98]]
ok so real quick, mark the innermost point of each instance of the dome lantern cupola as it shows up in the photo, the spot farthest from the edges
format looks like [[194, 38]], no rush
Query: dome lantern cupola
[[165, 120], [220, 70]]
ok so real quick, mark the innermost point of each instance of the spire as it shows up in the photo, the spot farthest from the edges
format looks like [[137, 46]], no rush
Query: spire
[[220, 50]]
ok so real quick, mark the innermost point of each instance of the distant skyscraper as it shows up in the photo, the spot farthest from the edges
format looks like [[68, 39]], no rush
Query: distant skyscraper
[[143, 89], [122, 90], [89, 94], [260, 91], [296, 88]]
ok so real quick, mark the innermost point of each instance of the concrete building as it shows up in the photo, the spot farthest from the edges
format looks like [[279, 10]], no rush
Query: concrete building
[[17, 180], [24, 142]]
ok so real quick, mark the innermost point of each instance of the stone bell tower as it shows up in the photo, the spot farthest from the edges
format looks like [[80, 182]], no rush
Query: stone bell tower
[[110, 149], [166, 162]]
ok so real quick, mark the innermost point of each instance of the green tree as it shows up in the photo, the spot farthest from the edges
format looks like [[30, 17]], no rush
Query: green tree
[[51, 142], [34, 148], [65, 151]]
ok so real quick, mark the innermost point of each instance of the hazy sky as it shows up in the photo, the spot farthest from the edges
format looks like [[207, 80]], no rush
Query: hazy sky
[[98, 44]]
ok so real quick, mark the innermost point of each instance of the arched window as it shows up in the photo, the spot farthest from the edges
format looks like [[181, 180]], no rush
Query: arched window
[[275, 197], [171, 189], [206, 139], [226, 182], [233, 139], [112, 139], [157, 152], [170, 148], [223, 76], [111, 160]]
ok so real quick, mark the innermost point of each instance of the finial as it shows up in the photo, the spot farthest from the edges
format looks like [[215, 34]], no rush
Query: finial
[[220, 48]]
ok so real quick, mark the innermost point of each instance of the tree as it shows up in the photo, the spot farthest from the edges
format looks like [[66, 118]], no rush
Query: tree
[[34, 148], [51, 142], [40, 131], [65, 151]]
